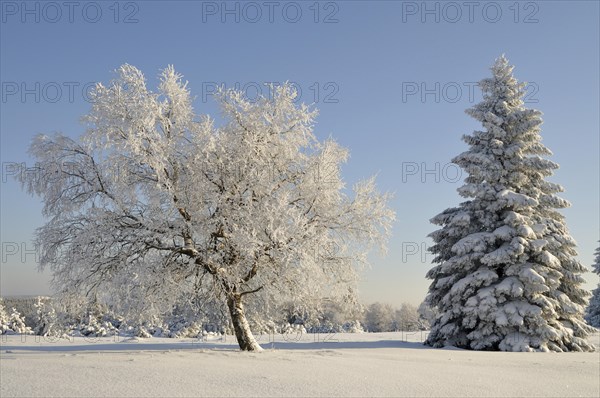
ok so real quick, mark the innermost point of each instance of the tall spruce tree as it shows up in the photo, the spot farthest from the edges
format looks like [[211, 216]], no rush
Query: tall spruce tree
[[507, 277], [593, 310]]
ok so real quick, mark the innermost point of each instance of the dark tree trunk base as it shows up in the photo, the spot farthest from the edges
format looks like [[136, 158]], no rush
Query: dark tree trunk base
[[241, 327]]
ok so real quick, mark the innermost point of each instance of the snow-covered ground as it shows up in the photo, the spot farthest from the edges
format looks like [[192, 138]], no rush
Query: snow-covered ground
[[367, 364]]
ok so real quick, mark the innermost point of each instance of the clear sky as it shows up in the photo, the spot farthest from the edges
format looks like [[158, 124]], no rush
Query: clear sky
[[391, 80]]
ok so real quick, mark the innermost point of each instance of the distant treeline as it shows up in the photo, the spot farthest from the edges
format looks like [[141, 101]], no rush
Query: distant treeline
[[43, 315]]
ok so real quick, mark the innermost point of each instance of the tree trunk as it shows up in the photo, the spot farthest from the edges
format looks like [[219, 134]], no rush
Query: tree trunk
[[240, 324]]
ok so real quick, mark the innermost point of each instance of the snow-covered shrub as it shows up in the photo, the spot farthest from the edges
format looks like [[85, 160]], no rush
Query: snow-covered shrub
[[95, 321], [292, 331], [180, 327], [47, 321], [25, 306], [4, 319], [93, 326], [16, 323], [593, 309], [353, 327], [142, 331]]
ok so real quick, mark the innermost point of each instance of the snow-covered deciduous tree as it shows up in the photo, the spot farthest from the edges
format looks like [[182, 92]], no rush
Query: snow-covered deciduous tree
[[154, 203], [593, 310], [407, 318], [507, 277], [379, 317]]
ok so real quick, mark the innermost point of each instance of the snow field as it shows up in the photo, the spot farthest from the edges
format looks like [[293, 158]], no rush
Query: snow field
[[367, 364]]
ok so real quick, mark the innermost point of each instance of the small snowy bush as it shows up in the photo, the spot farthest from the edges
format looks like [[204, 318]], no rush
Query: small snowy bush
[[4, 319], [16, 323], [47, 322], [593, 309]]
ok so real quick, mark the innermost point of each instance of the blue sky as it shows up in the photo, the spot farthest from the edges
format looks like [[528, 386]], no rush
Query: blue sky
[[391, 81]]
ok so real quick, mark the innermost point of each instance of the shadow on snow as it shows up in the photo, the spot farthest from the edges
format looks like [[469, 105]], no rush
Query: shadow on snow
[[144, 345]]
